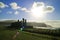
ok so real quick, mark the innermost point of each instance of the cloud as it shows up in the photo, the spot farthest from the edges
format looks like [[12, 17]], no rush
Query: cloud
[[49, 9], [16, 13], [38, 4], [2, 5], [53, 23], [14, 5], [9, 12], [25, 9], [42, 7]]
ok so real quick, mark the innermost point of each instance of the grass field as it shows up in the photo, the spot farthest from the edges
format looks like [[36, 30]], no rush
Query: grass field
[[6, 34]]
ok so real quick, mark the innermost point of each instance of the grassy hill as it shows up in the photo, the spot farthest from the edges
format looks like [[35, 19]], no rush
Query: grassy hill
[[6, 34], [8, 22]]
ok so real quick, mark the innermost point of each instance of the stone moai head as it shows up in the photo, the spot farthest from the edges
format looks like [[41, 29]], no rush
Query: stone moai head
[[18, 20]]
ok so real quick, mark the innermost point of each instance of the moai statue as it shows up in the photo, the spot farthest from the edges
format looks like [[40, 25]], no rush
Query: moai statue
[[18, 20], [25, 22]]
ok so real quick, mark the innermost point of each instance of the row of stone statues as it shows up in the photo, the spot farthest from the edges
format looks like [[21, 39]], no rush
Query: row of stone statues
[[19, 24]]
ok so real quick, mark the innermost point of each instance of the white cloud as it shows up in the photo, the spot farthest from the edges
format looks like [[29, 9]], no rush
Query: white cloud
[[14, 6], [2, 5], [25, 9], [53, 23], [42, 7], [38, 4], [49, 9], [16, 13], [9, 12]]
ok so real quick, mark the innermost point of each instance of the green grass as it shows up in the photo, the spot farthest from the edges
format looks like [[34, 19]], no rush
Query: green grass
[[8, 35], [31, 36]]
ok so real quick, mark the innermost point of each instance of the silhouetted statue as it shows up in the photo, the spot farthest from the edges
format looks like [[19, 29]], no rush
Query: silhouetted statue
[[18, 20], [16, 25], [19, 24], [23, 23]]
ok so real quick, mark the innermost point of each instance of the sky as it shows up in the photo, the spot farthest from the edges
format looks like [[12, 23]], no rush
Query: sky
[[30, 9]]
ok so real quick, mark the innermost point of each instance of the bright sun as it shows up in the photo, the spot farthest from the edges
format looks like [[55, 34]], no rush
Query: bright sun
[[37, 10]]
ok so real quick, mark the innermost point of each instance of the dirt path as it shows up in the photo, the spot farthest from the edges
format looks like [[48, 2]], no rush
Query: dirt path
[[14, 36]]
